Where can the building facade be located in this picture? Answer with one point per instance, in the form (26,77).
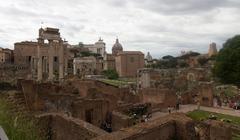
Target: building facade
(98,48)
(6,56)
(128,62)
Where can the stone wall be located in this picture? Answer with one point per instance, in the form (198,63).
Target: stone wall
(11,73)
(60,127)
(219,131)
(93,111)
(214,130)
(174,126)
(128,62)
(120,120)
(46,96)
(111,92)
(30,90)
(206,94)
(163,131)
(184,127)
(158,97)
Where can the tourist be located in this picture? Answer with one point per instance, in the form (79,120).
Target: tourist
(198,105)
(169,109)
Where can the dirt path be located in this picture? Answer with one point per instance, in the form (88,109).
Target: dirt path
(190,107)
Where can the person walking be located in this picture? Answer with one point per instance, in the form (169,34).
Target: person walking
(169,110)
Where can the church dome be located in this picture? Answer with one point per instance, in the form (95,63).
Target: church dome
(117,47)
(149,57)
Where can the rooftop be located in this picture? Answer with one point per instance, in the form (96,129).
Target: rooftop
(130,52)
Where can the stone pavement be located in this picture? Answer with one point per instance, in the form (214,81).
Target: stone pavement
(190,107)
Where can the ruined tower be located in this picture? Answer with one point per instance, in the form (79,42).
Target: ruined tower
(212,49)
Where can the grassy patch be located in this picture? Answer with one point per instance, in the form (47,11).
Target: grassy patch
(15,126)
(203,115)
(115,82)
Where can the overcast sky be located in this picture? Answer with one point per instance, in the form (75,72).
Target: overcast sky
(159,26)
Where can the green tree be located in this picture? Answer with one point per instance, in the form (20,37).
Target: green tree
(227,66)
(110,74)
(168,57)
(190,54)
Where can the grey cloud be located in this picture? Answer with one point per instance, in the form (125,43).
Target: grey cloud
(159,26)
(118,3)
(184,6)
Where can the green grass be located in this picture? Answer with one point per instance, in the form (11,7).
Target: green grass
(200,115)
(15,126)
(115,82)
(203,115)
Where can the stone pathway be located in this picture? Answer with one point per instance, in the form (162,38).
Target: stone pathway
(190,107)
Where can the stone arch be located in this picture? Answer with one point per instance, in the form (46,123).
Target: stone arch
(191,77)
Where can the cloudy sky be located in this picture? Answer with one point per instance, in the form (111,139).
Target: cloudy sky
(159,26)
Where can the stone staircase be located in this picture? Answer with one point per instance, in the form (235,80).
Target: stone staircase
(17,103)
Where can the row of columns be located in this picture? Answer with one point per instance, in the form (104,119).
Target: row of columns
(41,65)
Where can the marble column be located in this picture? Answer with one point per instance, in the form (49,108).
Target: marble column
(74,67)
(39,69)
(50,67)
(50,61)
(61,60)
(66,66)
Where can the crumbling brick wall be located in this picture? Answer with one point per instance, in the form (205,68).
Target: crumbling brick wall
(213,130)
(184,127)
(11,73)
(60,127)
(219,130)
(120,120)
(159,98)
(96,108)
(175,126)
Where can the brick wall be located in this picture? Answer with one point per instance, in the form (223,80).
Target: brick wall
(60,127)
(158,97)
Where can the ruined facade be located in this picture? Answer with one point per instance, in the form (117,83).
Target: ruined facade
(6,56)
(47,57)
(84,66)
(87,66)
(50,54)
(158,78)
